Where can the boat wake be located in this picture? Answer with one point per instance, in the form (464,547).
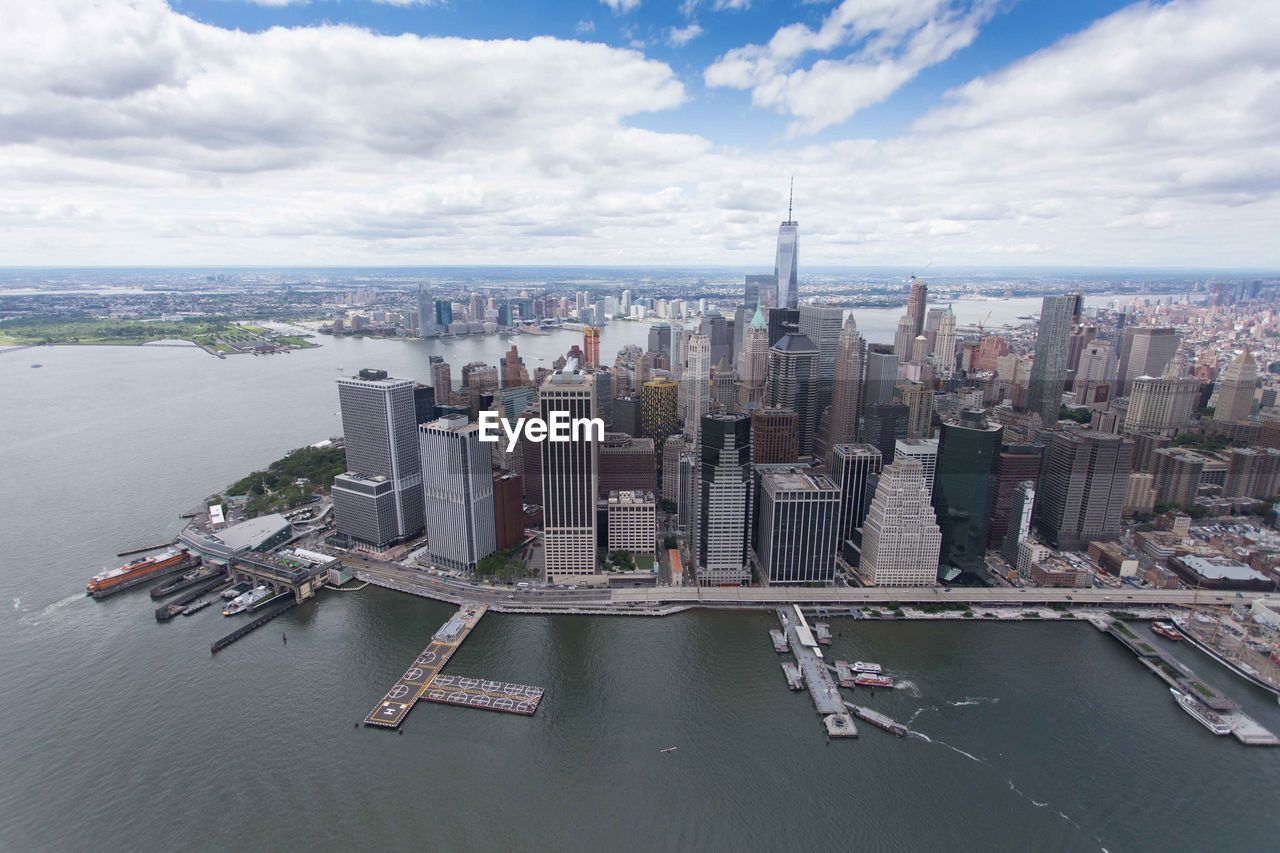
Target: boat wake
(920,711)
(905,684)
(38,618)
(1012,787)
(17,604)
(974,700)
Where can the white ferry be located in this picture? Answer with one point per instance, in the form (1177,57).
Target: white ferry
(1206,718)
(864,666)
(246,600)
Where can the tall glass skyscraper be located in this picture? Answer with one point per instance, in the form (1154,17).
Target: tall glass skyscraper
(786,263)
(1049,371)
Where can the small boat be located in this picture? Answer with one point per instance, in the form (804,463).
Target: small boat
(37,365)
(1164,629)
(669,749)
(868,680)
(864,666)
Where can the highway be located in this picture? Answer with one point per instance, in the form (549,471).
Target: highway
(540,598)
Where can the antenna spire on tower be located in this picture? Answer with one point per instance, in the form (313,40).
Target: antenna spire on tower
(791,195)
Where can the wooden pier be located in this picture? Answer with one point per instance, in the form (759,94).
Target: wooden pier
(779,641)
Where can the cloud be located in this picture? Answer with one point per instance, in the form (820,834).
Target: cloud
(132,134)
(621,7)
(584,27)
(680,36)
(883,45)
(731,5)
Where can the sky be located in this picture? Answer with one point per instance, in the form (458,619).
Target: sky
(436,132)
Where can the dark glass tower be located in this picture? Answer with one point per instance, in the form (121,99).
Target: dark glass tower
(962,489)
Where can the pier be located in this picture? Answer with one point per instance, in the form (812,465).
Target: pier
(877,719)
(247,628)
(779,641)
(422,680)
(822,690)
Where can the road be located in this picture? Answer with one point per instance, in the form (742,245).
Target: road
(506,598)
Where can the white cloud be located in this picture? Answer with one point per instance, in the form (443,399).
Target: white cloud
(584,27)
(620,7)
(680,36)
(883,45)
(133,134)
(731,5)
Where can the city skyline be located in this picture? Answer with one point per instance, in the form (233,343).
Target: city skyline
(680,129)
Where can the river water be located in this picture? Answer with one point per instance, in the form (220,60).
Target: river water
(121,733)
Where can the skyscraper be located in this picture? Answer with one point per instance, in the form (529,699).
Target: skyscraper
(379,426)
(967,453)
(457,487)
(1049,370)
(660,338)
(944,347)
(1236,389)
(753,364)
(442,380)
(1161,404)
(1022,500)
(798,516)
(695,385)
(923,450)
(853,468)
(1145,351)
(658,410)
(903,339)
(881,375)
(792,384)
(591,346)
(1082,488)
(1016,463)
(900,537)
(426,313)
(916,305)
(785,267)
(822,326)
(884,426)
(724,517)
(840,422)
(919,399)
(570,471)
(774,436)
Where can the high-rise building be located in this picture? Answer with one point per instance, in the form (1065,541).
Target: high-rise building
(881,376)
(672,452)
(570,472)
(903,339)
(753,364)
(1145,351)
(457,487)
(379,426)
(1236,389)
(626,416)
(1097,363)
(925,451)
(792,384)
(508,510)
(885,425)
(444,314)
(658,410)
(1161,404)
(514,373)
(944,346)
(695,385)
(1022,500)
(822,326)
(853,468)
(900,537)
(786,264)
(632,520)
(591,346)
(967,452)
(719,333)
(1177,476)
(442,380)
(774,436)
(1016,463)
(724,516)
(798,517)
(840,422)
(626,464)
(917,303)
(918,398)
(1082,488)
(426,313)
(660,338)
(1049,370)
(760,291)
(781,322)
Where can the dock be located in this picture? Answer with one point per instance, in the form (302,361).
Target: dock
(822,631)
(779,641)
(811,668)
(845,673)
(1179,676)
(877,719)
(839,725)
(247,628)
(144,549)
(484,694)
(795,680)
(167,611)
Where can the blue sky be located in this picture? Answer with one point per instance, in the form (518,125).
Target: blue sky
(962,132)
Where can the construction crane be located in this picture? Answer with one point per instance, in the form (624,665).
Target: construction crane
(982,324)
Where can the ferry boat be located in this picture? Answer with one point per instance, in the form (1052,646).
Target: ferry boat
(243,586)
(135,572)
(246,600)
(1164,629)
(868,680)
(1200,713)
(864,666)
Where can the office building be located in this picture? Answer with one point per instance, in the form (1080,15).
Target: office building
(626,464)
(786,263)
(659,401)
(881,376)
(660,339)
(944,346)
(426,313)
(885,425)
(1082,488)
(798,517)
(781,322)
(904,339)
(695,384)
(1177,476)
(570,473)
(1097,363)
(774,436)
(672,452)
(924,450)
(1140,495)
(724,516)
(632,521)
(442,380)
(753,364)
(591,348)
(457,487)
(840,422)
(379,425)
(968,449)
(822,326)
(508,510)
(1022,501)
(900,537)
(1049,370)
(854,469)
(792,384)
(1236,389)
(917,303)
(1161,404)
(1015,463)
(919,400)
(1144,351)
